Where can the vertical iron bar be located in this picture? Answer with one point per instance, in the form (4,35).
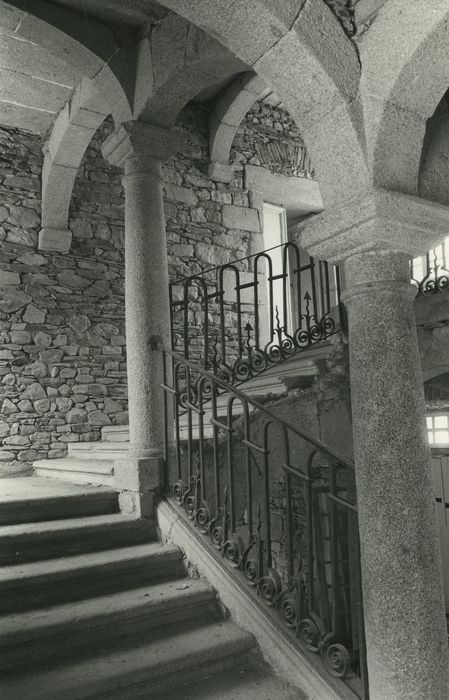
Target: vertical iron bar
(313,283)
(288,515)
(186,319)
(230,444)
(206,326)
(172,330)
(166,457)
(327,286)
(239,314)
(201,441)
(266,469)
(222,316)
(189,429)
(321,311)
(216,449)
(285,283)
(177,425)
(256,305)
(310,548)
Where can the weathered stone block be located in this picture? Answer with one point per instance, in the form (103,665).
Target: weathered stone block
(33,392)
(98,418)
(24,217)
(42,339)
(8,407)
(13,300)
(34,315)
(241,218)
(7,278)
(79,323)
(42,405)
(180,194)
(76,415)
(53,240)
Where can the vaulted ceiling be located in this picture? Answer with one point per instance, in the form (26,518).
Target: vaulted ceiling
(35,85)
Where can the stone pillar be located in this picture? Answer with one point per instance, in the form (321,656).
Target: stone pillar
(406,638)
(141,149)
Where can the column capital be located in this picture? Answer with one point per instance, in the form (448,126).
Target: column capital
(133,139)
(377,220)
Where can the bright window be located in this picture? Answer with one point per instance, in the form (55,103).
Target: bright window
(275,234)
(439,257)
(438,430)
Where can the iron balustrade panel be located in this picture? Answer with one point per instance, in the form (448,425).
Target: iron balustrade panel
(430,273)
(278,506)
(242,318)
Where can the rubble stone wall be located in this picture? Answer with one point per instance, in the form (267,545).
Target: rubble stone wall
(62,318)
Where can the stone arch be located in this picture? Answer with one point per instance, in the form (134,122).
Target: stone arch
(225,119)
(90,48)
(92,101)
(405,74)
(84,43)
(183,61)
(320,88)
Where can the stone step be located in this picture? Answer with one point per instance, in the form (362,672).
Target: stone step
(45,540)
(245,681)
(78,629)
(34,500)
(115,433)
(174,655)
(101,450)
(51,581)
(89,470)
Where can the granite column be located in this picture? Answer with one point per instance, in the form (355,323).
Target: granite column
(406,638)
(141,149)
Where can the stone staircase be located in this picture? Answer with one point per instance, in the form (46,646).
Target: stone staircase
(93,606)
(93,462)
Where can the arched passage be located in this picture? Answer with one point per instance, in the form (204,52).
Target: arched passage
(321,86)
(405,74)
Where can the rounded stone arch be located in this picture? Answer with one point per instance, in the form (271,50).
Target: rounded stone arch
(84,43)
(64,150)
(405,75)
(226,116)
(320,87)
(90,48)
(183,61)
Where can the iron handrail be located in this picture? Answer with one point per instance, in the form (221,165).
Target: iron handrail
(260,407)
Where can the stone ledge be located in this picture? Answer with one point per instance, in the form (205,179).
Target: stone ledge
(378,220)
(54,240)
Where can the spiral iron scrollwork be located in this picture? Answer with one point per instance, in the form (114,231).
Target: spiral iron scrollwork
(337,659)
(289,609)
(233,550)
(178,492)
(203,518)
(270,587)
(310,634)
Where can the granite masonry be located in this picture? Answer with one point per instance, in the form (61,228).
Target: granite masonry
(62,338)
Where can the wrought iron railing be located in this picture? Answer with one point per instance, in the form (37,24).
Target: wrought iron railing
(277,505)
(242,318)
(430,273)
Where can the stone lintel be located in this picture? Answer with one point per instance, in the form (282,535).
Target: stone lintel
(54,240)
(221,172)
(379,220)
(140,139)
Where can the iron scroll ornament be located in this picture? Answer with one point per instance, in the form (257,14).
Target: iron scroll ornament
(289,604)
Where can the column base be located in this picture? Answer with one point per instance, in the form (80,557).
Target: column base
(138,479)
